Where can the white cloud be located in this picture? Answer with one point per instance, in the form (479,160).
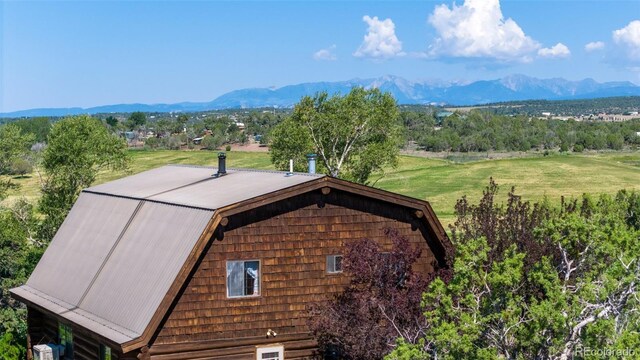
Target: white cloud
(381,41)
(559,50)
(594,46)
(327,54)
(628,38)
(477,29)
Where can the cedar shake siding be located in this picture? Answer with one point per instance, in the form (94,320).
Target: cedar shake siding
(292,240)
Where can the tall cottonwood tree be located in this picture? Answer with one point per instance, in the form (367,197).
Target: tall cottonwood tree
(353,135)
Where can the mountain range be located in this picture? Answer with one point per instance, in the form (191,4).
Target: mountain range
(510,88)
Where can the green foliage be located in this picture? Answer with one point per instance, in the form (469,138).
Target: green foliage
(111,121)
(19,253)
(290,141)
(533,282)
(9,349)
(182,119)
(79,147)
(482,131)
(14,144)
(212,142)
(39,127)
(136,120)
(21,167)
(353,135)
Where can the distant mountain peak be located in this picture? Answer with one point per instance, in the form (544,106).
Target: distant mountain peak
(509,88)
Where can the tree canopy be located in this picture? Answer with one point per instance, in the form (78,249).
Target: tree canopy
(13,145)
(136,119)
(353,135)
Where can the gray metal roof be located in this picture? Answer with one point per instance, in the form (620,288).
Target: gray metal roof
(195,186)
(124,242)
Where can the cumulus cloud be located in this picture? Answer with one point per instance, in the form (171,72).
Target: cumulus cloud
(327,54)
(477,29)
(381,41)
(628,38)
(559,50)
(594,46)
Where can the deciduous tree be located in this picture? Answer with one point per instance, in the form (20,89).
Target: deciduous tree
(136,120)
(353,135)
(380,304)
(14,144)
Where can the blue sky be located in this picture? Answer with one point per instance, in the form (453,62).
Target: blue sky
(64,54)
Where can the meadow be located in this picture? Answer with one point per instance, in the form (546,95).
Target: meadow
(441,182)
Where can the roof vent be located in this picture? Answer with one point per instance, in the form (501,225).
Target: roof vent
(222,164)
(312,163)
(290,172)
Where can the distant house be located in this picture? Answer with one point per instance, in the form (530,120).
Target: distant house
(186,262)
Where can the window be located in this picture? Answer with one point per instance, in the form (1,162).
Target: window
(334,264)
(105,352)
(243,278)
(270,353)
(65,335)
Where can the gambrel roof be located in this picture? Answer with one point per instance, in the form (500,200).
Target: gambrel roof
(127,246)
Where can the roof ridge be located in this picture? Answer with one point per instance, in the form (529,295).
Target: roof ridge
(247,170)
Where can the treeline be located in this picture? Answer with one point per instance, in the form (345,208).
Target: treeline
(482,131)
(612,105)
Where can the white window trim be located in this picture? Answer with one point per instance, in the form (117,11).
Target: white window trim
(268,349)
(333,271)
(226,280)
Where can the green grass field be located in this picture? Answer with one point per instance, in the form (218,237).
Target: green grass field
(439,181)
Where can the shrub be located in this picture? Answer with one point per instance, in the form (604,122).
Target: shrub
(21,167)
(211,142)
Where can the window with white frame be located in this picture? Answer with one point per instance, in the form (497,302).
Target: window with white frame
(275,352)
(334,264)
(243,278)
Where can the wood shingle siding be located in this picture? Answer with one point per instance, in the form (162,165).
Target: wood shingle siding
(292,239)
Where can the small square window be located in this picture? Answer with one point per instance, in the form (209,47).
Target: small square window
(243,278)
(334,264)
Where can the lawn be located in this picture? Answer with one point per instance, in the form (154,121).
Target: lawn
(440,182)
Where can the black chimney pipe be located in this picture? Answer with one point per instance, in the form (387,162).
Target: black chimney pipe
(222,164)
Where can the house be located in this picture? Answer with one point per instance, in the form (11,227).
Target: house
(186,262)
